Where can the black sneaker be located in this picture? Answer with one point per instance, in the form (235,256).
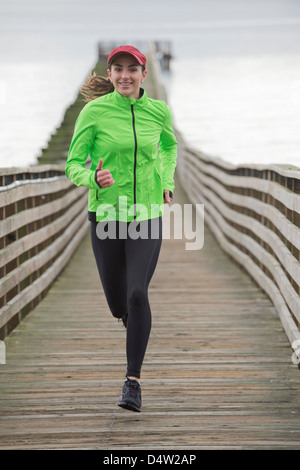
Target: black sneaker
(131,396)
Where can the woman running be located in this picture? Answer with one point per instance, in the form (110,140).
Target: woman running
(130,140)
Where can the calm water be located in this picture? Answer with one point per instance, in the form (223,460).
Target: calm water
(234,84)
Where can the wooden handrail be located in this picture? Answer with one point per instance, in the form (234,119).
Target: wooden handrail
(253,210)
(43,217)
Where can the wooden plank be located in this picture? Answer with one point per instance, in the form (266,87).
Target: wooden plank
(264,281)
(34,238)
(275,268)
(31,188)
(283,292)
(288,198)
(289,231)
(288,262)
(38,261)
(270,238)
(15,305)
(288,170)
(4,171)
(30,215)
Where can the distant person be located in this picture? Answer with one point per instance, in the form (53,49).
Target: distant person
(133,151)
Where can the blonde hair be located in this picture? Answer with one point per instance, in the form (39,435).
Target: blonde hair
(96,86)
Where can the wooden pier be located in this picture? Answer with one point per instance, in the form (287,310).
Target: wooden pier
(217,375)
(219,371)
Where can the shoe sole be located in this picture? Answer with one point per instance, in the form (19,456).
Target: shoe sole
(128,406)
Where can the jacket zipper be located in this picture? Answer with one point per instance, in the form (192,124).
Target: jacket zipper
(135,154)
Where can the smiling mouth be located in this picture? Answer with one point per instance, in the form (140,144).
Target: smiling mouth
(125,83)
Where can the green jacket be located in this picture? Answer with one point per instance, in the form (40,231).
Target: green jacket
(136,141)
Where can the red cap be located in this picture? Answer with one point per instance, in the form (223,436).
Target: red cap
(127,50)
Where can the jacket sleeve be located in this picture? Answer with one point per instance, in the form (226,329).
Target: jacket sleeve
(168,151)
(81,145)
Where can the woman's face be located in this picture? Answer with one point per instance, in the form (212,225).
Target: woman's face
(127,75)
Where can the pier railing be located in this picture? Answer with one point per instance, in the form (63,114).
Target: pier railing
(42,220)
(254,212)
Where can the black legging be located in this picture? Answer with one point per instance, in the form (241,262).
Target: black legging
(126,267)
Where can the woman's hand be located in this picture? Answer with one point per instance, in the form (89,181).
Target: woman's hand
(103,177)
(168,196)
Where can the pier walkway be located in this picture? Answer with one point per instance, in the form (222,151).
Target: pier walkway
(217,374)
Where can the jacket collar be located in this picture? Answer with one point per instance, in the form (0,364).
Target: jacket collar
(127,102)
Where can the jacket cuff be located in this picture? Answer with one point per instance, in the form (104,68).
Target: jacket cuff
(99,185)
